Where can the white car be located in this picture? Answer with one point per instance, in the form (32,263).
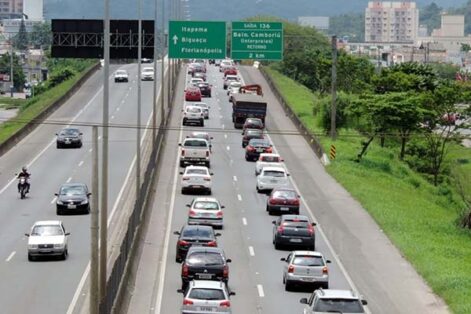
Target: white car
(205,296)
(47,238)
(193,114)
(121,76)
(270,178)
(268,160)
(205,211)
(147,74)
(233,87)
(225,64)
(196,178)
(204,106)
(196,80)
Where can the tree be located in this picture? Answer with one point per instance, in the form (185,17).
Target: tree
(41,35)
(430,16)
(21,39)
(351,25)
(18,75)
(465,47)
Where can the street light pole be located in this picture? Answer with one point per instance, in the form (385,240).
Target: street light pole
(333,112)
(139,104)
(12,86)
(154,99)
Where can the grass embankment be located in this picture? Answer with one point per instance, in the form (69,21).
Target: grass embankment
(11,103)
(419,218)
(30,109)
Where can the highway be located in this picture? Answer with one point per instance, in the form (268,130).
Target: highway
(363,259)
(48,286)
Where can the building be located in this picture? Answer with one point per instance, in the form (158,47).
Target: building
(391,22)
(11,27)
(33,9)
(319,22)
(11,8)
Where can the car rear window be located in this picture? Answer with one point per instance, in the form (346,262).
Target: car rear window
(47,230)
(205,259)
(296,224)
(307,260)
(197,171)
(72,190)
(206,205)
(206,294)
(193,109)
(284,194)
(271,159)
(338,306)
(273,173)
(196,232)
(254,132)
(200,135)
(195,143)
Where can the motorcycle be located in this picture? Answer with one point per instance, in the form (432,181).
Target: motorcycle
(23,186)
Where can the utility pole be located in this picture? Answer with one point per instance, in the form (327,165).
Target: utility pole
(94,229)
(333,111)
(104,167)
(162,68)
(139,104)
(154,98)
(12,86)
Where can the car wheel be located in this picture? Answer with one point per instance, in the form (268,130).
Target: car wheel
(287,286)
(207,164)
(58,145)
(87,211)
(247,157)
(58,212)
(183,191)
(64,255)
(182,164)
(284,280)
(325,286)
(202,122)
(277,246)
(184,122)
(178,259)
(209,192)
(30,257)
(80,145)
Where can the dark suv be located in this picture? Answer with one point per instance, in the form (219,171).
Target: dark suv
(249,134)
(253,123)
(294,230)
(194,235)
(205,263)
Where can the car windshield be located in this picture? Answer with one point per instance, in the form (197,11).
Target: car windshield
(72,190)
(202,105)
(271,158)
(338,305)
(203,84)
(120,72)
(259,143)
(284,194)
(235,85)
(200,135)
(69,132)
(196,171)
(193,109)
(47,230)
(253,132)
(296,224)
(148,70)
(231,78)
(195,143)
(196,232)
(206,294)
(307,260)
(273,173)
(206,205)
(205,259)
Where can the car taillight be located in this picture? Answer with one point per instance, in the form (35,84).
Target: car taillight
(207,179)
(325,270)
(207,153)
(185,270)
(187,302)
(269,150)
(295,202)
(182,243)
(245,137)
(183,152)
(185,178)
(212,243)
(250,148)
(225,304)
(225,272)
(219,214)
(280,229)
(311,230)
(291,269)
(192,213)
(272,201)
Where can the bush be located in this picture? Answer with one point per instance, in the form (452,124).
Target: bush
(60,76)
(323,108)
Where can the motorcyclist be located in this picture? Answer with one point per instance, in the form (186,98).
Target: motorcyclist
(24,173)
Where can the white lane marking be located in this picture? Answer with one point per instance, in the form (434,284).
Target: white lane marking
(73,303)
(222,126)
(244,221)
(117,109)
(54,200)
(54,139)
(10,256)
(80,163)
(90,150)
(239,197)
(220,117)
(261,294)
(112,117)
(69,179)
(225,135)
(235,178)
(99,137)
(228,148)
(251,251)
(163,266)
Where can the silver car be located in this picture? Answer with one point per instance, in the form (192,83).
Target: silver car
(47,238)
(205,296)
(305,268)
(204,106)
(205,211)
(333,301)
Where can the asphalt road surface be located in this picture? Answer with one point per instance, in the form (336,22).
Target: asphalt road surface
(363,259)
(48,286)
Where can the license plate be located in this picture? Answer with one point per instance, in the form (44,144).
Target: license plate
(196,186)
(259,150)
(308,279)
(284,208)
(295,240)
(206,309)
(71,206)
(273,181)
(205,276)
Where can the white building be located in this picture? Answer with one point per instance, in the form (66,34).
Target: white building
(33,9)
(319,22)
(391,22)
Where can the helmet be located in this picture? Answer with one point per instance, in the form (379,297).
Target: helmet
(24,169)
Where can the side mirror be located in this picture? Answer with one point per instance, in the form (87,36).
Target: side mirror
(364,302)
(273,222)
(228,260)
(217,234)
(27,234)
(181,172)
(288,174)
(210,146)
(67,233)
(211,173)
(56,194)
(222,206)
(328,261)
(57,134)
(232,293)
(283,259)
(180,144)
(81,133)
(89,194)
(176,232)
(303,301)
(188,205)
(180,291)
(211,138)
(314,224)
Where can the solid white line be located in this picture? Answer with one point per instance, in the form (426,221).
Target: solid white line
(80,163)
(261,294)
(239,197)
(69,179)
(10,256)
(251,251)
(244,221)
(235,178)
(54,200)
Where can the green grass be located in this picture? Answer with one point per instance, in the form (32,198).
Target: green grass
(10,103)
(30,109)
(420,219)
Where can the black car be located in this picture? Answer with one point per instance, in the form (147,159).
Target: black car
(69,137)
(194,235)
(205,89)
(283,200)
(249,134)
(257,146)
(205,263)
(253,123)
(73,198)
(294,230)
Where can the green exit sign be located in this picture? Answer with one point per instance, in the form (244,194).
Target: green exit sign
(257,40)
(197,40)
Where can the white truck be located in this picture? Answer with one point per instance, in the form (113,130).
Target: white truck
(195,151)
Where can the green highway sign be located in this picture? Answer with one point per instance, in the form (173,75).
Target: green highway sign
(197,40)
(257,40)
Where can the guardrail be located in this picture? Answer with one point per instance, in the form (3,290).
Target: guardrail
(303,130)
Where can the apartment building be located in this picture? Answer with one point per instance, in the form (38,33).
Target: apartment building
(388,21)
(11,8)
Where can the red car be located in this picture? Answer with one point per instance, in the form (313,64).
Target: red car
(283,201)
(230,71)
(192,93)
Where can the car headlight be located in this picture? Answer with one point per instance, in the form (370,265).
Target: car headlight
(84,202)
(32,246)
(58,246)
(59,202)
